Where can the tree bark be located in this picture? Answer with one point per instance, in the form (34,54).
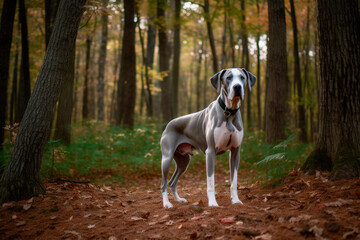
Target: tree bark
(102,62)
(150,49)
(65,106)
(277,84)
(6,30)
(198,79)
(338,144)
(164,62)
(245,60)
(24,82)
(13,98)
(51,7)
(211,36)
(176,57)
(21,177)
(127,78)
(258,72)
(297,77)
(85,107)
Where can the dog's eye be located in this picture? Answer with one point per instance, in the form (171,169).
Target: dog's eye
(228,78)
(242,77)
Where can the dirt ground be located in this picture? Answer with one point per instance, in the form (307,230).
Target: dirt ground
(302,207)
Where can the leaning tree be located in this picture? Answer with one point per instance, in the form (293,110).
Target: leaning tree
(21,177)
(338,144)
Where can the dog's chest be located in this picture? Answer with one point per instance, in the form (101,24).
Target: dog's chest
(226,139)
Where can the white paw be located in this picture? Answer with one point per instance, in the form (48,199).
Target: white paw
(237,201)
(213,204)
(181,200)
(167,205)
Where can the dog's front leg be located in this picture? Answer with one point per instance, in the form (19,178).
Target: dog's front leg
(234,160)
(210,166)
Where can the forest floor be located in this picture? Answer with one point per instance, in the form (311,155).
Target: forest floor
(301,207)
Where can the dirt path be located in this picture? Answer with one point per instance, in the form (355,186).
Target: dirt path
(301,207)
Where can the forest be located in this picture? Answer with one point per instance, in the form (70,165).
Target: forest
(88,87)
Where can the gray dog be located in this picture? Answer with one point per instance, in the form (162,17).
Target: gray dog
(213,131)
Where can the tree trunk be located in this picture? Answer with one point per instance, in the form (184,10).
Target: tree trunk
(85,108)
(13,98)
(24,82)
(277,84)
(6,30)
(21,177)
(176,57)
(297,77)
(245,62)
(102,62)
(51,7)
(127,78)
(198,79)
(258,72)
(223,43)
(211,36)
(164,62)
(76,83)
(150,49)
(338,144)
(65,106)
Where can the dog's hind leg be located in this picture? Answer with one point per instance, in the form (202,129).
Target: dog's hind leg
(182,162)
(165,167)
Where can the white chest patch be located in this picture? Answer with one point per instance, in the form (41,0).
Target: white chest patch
(225,139)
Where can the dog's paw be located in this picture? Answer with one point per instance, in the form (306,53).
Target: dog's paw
(237,201)
(213,204)
(167,205)
(181,200)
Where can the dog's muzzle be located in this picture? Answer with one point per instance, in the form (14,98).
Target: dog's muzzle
(238,91)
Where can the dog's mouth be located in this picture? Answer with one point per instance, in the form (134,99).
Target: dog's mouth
(235,100)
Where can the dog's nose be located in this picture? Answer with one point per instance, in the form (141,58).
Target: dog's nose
(237,89)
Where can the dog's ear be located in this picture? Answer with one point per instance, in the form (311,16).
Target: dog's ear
(250,78)
(215,80)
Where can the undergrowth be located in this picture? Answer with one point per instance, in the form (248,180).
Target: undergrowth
(108,154)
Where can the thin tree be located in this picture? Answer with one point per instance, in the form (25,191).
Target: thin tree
(297,76)
(338,145)
(258,71)
(6,30)
(164,61)
(176,57)
(85,106)
(21,177)
(277,83)
(208,21)
(51,7)
(127,79)
(150,49)
(245,58)
(102,61)
(24,82)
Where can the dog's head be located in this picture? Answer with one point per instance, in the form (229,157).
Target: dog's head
(231,83)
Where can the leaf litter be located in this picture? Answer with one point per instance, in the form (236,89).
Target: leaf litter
(302,206)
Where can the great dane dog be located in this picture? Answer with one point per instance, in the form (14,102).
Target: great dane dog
(213,131)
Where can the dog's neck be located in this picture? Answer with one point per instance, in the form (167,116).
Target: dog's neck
(227,111)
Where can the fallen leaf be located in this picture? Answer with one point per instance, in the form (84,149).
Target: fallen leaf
(30,200)
(14,217)
(112,238)
(169,223)
(227,220)
(196,218)
(164,217)
(53,217)
(91,226)
(350,233)
(180,226)
(265,236)
(340,202)
(27,206)
(299,218)
(74,233)
(8,204)
(134,218)
(21,223)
